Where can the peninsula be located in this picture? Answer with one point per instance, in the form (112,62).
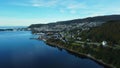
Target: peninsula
(97,38)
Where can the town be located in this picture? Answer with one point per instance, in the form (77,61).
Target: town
(83,39)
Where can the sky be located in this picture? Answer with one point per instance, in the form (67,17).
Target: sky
(26,12)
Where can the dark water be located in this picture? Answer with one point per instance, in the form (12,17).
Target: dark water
(17,50)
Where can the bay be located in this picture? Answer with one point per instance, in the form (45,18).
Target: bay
(18,50)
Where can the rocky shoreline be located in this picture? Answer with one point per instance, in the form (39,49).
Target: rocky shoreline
(86,55)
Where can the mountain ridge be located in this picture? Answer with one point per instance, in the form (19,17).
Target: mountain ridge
(79,23)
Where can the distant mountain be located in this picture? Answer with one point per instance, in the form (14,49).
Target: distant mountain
(76,23)
(92,19)
(11,27)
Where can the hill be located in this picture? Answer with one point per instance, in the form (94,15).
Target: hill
(86,22)
(109,31)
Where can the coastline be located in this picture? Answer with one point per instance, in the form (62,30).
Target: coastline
(86,55)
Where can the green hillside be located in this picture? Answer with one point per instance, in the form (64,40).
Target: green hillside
(109,31)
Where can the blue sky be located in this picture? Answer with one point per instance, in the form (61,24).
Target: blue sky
(26,12)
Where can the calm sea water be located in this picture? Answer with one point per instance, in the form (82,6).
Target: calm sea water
(18,50)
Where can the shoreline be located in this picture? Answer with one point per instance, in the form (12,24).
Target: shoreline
(82,54)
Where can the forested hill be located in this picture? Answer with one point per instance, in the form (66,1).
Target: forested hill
(109,31)
(98,19)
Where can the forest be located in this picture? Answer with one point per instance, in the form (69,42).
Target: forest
(109,32)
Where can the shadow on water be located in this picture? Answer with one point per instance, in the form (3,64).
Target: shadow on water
(85,57)
(79,55)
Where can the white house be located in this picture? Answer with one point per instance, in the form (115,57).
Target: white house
(104,43)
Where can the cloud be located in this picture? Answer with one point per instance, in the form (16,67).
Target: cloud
(75,6)
(70,6)
(43,3)
(36,3)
